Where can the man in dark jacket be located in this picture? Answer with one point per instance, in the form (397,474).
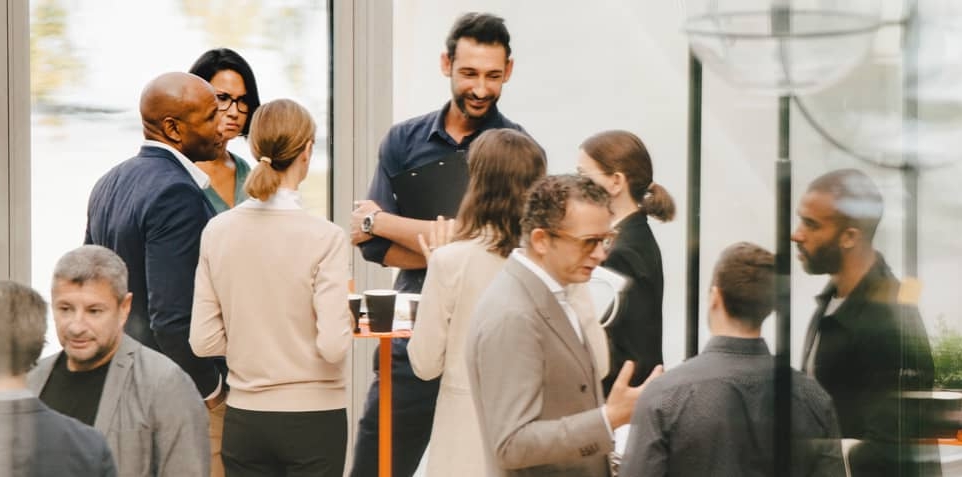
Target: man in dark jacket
(35,440)
(866,344)
(150,210)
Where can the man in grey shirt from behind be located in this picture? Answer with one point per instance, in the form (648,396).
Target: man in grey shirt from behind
(713,414)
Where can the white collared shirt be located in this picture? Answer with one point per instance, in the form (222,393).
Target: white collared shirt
(554,287)
(199,176)
(283,199)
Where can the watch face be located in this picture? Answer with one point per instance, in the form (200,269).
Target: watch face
(366,224)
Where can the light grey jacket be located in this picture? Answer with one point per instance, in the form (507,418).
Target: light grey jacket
(154,420)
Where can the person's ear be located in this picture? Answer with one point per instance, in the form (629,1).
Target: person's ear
(539,241)
(309,150)
(714,298)
(446,64)
(618,183)
(171,128)
(849,237)
(508,68)
(125,308)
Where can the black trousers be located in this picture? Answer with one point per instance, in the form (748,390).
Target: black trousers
(412,407)
(262,443)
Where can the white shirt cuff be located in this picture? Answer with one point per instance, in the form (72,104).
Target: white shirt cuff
(604,417)
(220,383)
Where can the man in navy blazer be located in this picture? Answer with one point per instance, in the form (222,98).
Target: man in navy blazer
(151,209)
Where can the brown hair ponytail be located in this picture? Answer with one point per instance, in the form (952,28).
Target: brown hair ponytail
(280,130)
(622,151)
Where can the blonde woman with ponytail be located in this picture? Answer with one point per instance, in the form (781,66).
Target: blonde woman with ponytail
(619,162)
(271,296)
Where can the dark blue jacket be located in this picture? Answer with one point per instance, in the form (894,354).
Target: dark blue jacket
(150,211)
(36,441)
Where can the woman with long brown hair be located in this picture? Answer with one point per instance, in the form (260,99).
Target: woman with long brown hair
(619,162)
(502,164)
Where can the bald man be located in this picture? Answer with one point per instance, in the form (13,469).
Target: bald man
(150,210)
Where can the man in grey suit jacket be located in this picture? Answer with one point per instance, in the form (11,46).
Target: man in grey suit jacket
(530,356)
(34,440)
(146,406)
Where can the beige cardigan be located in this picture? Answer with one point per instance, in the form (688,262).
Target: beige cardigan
(271,295)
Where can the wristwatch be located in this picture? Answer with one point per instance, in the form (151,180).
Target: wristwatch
(368,223)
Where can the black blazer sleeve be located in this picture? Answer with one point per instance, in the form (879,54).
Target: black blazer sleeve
(173,226)
(635,332)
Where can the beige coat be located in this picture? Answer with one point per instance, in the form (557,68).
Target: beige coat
(457,275)
(536,386)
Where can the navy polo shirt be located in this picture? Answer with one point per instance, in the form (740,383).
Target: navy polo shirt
(408,145)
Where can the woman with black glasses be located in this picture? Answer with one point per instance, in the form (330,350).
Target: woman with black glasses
(237,99)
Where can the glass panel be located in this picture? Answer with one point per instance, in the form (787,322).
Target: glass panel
(623,65)
(89,62)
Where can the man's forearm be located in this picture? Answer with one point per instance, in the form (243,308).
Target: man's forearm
(404,258)
(402,231)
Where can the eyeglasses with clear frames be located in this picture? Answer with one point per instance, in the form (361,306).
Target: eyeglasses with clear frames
(590,242)
(224,101)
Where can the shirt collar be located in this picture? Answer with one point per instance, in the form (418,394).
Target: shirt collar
(552,284)
(730,344)
(283,199)
(199,176)
(492,120)
(874,273)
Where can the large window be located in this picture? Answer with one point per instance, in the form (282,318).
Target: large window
(90,60)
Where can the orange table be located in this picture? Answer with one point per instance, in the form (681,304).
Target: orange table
(384,394)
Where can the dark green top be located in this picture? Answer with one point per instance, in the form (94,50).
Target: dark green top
(240,175)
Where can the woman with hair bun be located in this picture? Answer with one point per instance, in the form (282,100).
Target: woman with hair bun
(619,162)
(271,295)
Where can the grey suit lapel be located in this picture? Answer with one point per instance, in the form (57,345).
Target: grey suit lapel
(120,367)
(552,313)
(38,376)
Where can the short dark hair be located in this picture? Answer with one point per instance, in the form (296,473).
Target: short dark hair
(23,325)
(483,28)
(548,199)
(858,201)
(220,59)
(745,277)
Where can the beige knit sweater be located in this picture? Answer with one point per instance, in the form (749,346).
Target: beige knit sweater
(271,295)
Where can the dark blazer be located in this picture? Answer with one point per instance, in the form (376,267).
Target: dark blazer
(859,355)
(150,211)
(635,332)
(36,441)
(534,383)
(870,349)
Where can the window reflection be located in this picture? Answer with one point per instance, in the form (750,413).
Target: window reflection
(89,62)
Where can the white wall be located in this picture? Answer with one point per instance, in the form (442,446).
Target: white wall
(580,69)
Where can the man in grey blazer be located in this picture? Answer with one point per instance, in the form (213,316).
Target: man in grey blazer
(531,355)
(147,407)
